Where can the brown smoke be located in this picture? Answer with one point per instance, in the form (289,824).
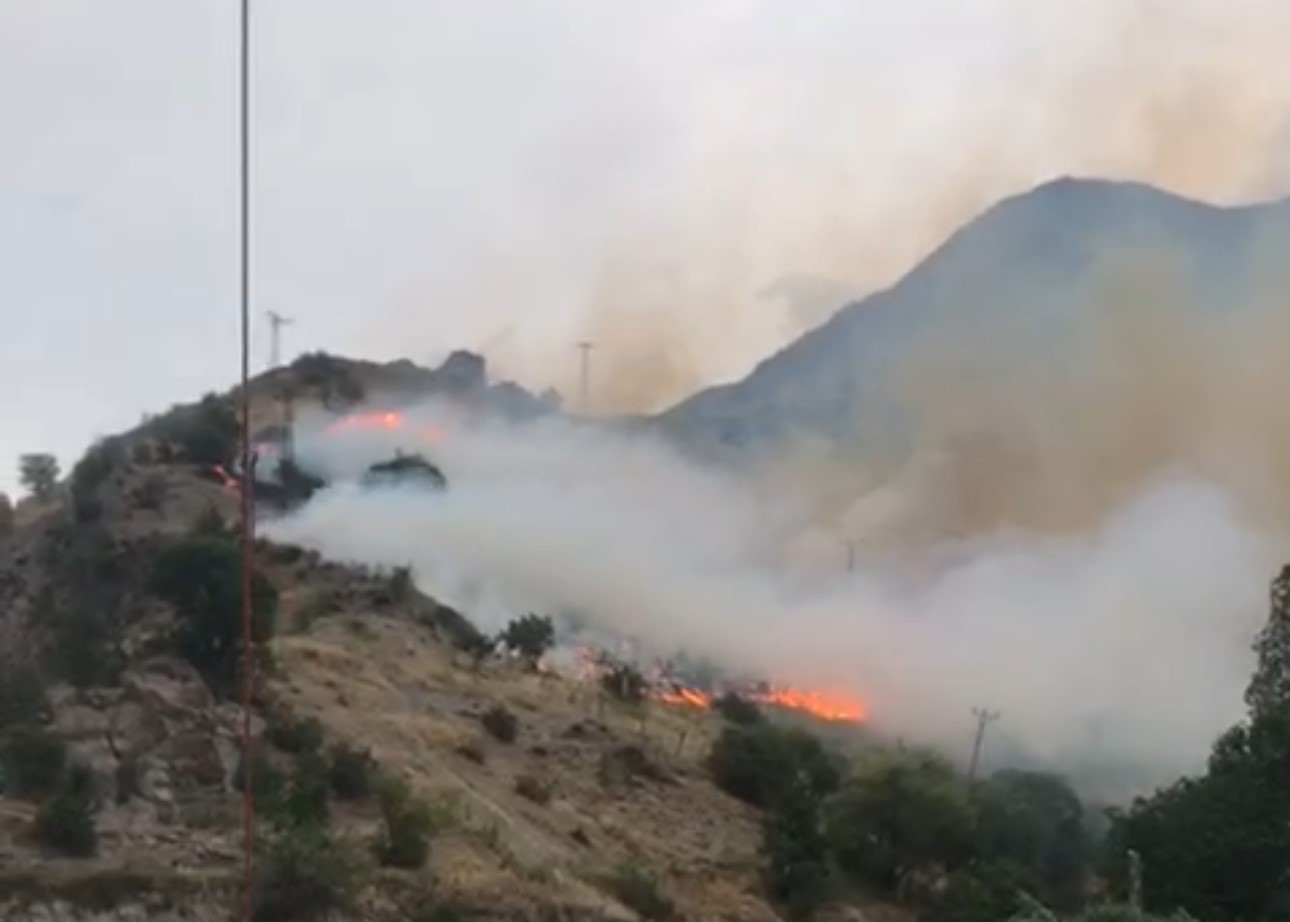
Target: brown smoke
(1191,100)
(1056,438)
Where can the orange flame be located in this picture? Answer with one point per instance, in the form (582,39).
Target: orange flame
(833,707)
(388,419)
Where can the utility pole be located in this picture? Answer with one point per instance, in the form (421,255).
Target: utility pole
(585,348)
(851,554)
(276,323)
(983,719)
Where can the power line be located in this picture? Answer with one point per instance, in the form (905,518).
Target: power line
(248,477)
(585,347)
(983,719)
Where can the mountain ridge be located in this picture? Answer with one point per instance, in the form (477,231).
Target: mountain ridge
(1051,236)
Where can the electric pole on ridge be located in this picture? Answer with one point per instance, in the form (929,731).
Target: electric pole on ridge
(983,719)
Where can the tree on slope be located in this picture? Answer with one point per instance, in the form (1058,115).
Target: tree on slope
(1219,845)
(39,474)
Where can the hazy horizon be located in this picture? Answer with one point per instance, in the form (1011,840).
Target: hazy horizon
(510,177)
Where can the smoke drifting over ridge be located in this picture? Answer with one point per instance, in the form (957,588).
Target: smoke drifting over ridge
(720,148)
(1084,545)
(1116,649)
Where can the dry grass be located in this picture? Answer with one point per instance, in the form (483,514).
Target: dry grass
(397,692)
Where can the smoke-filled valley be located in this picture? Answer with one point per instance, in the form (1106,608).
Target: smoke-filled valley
(1054,450)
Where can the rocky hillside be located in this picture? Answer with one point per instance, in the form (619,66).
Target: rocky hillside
(1022,280)
(537,796)
(407,768)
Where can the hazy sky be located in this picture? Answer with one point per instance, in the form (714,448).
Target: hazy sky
(513,175)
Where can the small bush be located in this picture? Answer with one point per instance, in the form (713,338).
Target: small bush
(640,892)
(739,711)
(625,682)
(151,493)
(401,585)
(22,692)
(33,761)
(202,434)
(296,735)
(407,825)
(534,789)
(127,780)
(753,763)
(352,772)
(304,800)
(65,823)
(982,894)
(795,851)
(268,783)
(308,874)
(530,636)
(501,724)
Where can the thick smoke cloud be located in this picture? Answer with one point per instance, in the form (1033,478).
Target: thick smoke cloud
(1116,654)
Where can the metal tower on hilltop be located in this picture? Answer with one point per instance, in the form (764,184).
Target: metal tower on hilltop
(276,323)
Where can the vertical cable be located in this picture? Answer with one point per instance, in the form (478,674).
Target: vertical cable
(248,480)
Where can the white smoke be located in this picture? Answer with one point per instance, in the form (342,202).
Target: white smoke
(1120,650)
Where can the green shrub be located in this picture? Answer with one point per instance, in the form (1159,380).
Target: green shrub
(304,800)
(640,892)
(986,893)
(206,433)
(33,760)
(900,811)
(200,576)
(501,724)
(295,735)
(530,636)
(754,763)
(407,824)
(352,772)
(795,851)
(268,783)
(65,823)
(90,473)
(306,875)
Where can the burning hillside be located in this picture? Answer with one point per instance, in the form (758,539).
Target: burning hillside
(828,706)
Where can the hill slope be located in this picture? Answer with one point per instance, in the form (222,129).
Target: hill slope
(1024,278)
